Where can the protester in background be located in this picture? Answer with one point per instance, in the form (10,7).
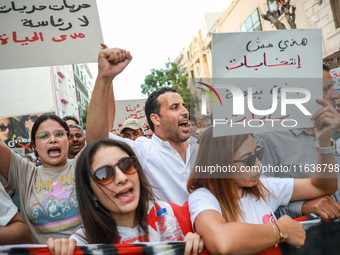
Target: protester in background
(76,140)
(167,156)
(116,200)
(193,135)
(220,206)
(295,148)
(47,193)
(13,229)
(193,126)
(132,129)
(71,120)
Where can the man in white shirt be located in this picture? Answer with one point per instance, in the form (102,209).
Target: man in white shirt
(168,157)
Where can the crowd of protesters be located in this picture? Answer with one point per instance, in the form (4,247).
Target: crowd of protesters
(109,190)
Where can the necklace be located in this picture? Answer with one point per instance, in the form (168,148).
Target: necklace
(54,179)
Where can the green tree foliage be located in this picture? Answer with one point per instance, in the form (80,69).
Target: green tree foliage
(171,76)
(84,117)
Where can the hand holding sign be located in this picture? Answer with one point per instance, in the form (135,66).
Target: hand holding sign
(327,121)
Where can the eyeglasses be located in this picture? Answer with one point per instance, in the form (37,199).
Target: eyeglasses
(250,161)
(46,136)
(106,174)
(4,127)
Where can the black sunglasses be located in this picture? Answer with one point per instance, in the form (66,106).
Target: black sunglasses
(250,161)
(3,127)
(106,174)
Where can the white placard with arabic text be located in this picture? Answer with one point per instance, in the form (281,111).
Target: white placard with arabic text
(130,109)
(45,33)
(269,80)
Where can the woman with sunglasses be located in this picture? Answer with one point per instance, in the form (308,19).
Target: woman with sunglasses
(9,128)
(47,193)
(219,207)
(116,201)
(5,126)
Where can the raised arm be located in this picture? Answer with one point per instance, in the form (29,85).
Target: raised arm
(111,62)
(324,178)
(111,108)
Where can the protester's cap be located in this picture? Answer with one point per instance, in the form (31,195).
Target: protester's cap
(133,124)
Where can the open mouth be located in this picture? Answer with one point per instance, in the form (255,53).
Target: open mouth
(184,125)
(54,152)
(125,195)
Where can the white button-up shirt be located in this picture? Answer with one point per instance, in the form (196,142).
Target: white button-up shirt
(163,166)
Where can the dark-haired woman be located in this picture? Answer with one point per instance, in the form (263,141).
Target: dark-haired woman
(47,193)
(10,129)
(5,126)
(220,208)
(116,201)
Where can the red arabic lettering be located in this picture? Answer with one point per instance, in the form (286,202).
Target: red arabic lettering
(75,35)
(63,38)
(4,40)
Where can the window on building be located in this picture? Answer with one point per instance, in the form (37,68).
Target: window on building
(336,12)
(273,6)
(78,96)
(253,23)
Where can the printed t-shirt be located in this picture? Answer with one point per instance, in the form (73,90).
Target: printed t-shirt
(48,198)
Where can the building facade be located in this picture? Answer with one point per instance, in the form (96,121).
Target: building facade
(254,15)
(195,61)
(83,85)
(244,16)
